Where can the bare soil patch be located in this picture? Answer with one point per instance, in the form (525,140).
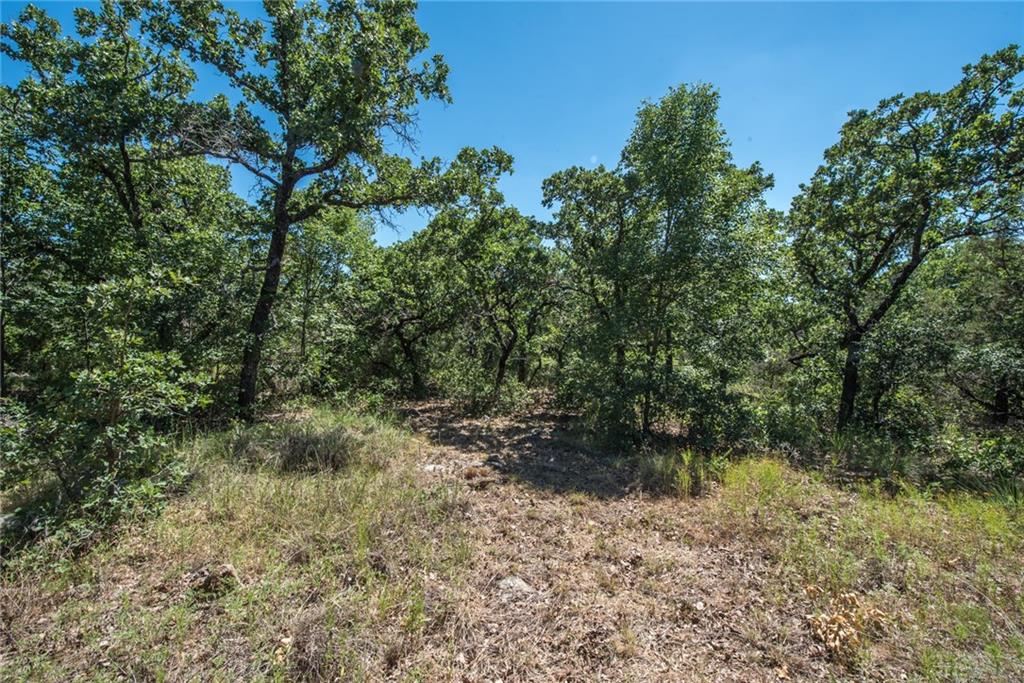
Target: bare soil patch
(579,574)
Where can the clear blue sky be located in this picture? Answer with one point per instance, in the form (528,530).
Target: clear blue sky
(557,84)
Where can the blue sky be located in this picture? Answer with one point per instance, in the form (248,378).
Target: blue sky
(558,84)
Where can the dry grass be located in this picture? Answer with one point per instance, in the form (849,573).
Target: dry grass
(770,575)
(941,573)
(332,574)
(341,547)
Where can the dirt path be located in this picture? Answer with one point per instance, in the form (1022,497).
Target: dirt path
(577,574)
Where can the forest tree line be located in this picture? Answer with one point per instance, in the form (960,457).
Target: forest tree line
(881,318)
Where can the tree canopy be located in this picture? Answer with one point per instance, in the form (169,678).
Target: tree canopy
(663,299)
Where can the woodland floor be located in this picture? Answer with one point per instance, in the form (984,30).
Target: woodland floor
(579,574)
(503,549)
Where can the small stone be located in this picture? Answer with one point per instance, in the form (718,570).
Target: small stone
(513,584)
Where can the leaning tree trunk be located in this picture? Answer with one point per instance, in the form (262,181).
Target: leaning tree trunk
(259,324)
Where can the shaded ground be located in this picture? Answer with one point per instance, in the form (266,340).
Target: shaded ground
(577,574)
(538,449)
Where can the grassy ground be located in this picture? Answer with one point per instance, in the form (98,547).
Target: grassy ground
(305,549)
(329,545)
(929,586)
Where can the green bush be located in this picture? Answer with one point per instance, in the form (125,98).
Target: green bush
(470,383)
(991,462)
(95,442)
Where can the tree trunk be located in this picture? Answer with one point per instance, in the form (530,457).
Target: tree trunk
(622,422)
(645,413)
(1001,405)
(851,383)
(419,388)
(307,309)
(499,377)
(259,324)
(536,368)
(876,407)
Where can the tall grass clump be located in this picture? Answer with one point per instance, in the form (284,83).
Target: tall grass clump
(684,472)
(318,440)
